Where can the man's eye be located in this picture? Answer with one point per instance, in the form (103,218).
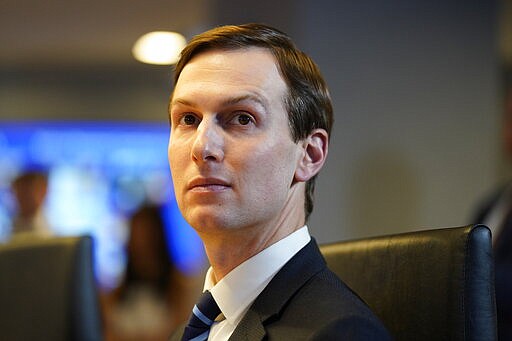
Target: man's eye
(189,120)
(243,119)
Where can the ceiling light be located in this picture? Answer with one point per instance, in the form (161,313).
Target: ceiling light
(160,47)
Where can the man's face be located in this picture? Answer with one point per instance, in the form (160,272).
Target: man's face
(232,158)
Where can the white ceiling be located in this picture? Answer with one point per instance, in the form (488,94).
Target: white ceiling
(93,31)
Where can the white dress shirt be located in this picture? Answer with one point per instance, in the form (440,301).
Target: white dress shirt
(238,289)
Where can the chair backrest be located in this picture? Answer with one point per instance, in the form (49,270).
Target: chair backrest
(47,290)
(426,285)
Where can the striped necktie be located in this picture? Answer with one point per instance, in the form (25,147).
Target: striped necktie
(203,315)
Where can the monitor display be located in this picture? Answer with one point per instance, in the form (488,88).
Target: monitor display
(99,173)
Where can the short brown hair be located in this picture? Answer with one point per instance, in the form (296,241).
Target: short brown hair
(308,102)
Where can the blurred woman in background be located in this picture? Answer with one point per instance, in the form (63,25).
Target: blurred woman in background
(152,299)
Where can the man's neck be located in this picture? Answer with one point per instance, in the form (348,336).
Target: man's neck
(233,248)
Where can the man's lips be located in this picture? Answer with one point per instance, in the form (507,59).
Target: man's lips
(208,184)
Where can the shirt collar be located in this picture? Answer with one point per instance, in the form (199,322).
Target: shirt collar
(239,288)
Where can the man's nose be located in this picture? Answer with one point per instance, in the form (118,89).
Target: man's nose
(209,142)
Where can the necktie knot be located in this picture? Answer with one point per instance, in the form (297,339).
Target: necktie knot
(203,315)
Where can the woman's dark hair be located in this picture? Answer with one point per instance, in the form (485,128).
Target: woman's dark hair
(149,217)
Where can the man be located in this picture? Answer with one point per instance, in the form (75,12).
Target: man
(250,120)
(29,191)
(496,212)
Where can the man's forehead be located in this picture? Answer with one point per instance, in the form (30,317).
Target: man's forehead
(243,60)
(251,71)
(232,51)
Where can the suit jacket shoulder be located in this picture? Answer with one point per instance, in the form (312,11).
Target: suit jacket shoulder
(307,301)
(486,205)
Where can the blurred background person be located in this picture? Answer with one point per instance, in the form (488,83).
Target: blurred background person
(29,190)
(151,300)
(495,211)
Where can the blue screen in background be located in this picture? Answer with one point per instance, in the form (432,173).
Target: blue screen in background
(99,174)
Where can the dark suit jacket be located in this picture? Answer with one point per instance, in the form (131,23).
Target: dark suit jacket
(502,249)
(306,301)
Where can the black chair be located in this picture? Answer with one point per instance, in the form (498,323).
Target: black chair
(48,291)
(426,285)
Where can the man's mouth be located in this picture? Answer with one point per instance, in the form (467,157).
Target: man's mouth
(208,184)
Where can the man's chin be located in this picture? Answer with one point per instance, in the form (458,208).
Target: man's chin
(210,220)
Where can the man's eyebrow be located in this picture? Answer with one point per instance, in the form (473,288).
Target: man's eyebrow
(181,101)
(229,101)
(247,97)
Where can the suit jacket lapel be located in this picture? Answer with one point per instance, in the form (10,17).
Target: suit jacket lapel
(250,328)
(267,306)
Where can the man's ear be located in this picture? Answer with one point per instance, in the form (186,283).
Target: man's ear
(315,148)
